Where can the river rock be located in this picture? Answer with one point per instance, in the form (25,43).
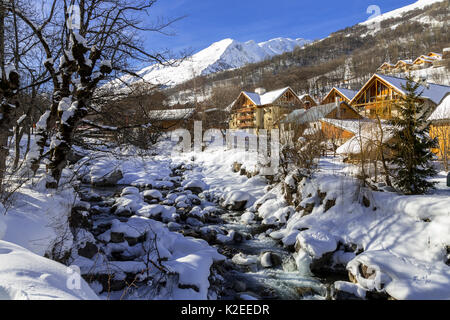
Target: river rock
(89,250)
(239,286)
(80,219)
(243,260)
(108,180)
(173,226)
(270,260)
(247,296)
(151,195)
(194,222)
(117,237)
(129,191)
(196,186)
(236,200)
(238,238)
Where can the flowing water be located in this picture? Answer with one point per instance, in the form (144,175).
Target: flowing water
(283,281)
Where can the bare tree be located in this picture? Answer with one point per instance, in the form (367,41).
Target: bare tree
(78,58)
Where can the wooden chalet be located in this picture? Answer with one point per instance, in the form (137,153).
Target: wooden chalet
(403,66)
(423,62)
(307,101)
(386,67)
(172,119)
(330,120)
(341,124)
(339,94)
(262,110)
(440,129)
(434,55)
(379,95)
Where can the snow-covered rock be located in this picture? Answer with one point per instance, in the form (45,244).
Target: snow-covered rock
(236,200)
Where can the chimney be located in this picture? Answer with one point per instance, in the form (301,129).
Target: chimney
(260,91)
(338,106)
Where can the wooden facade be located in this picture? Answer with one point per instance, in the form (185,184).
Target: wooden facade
(307,101)
(246,113)
(344,112)
(441,131)
(336,133)
(403,66)
(422,62)
(335,130)
(386,67)
(376,99)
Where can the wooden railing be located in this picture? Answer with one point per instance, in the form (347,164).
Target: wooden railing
(246,117)
(244,110)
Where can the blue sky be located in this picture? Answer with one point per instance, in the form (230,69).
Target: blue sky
(209,21)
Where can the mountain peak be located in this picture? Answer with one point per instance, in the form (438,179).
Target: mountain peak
(222,55)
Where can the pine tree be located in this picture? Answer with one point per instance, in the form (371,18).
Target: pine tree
(412,144)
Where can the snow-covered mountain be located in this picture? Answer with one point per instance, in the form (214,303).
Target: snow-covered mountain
(419,4)
(222,55)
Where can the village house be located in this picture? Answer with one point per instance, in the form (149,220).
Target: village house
(377,98)
(329,120)
(432,59)
(440,129)
(386,68)
(263,110)
(307,101)
(403,66)
(422,62)
(172,119)
(340,94)
(341,124)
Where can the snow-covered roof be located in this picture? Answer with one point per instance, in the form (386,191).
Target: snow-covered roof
(408,61)
(350,125)
(301,97)
(171,114)
(266,98)
(311,115)
(433,92)
(442,111)
(438,54)
(388,64)
(368,133)
(426,59)
(349,94)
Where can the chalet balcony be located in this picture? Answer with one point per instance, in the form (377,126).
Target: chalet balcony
(246,117)
(245,110)
(246,124)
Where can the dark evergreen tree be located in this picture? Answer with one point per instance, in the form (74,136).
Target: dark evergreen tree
(411,147)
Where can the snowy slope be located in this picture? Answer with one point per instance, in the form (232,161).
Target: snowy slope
(420,4)
(27,276)
(222,55)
